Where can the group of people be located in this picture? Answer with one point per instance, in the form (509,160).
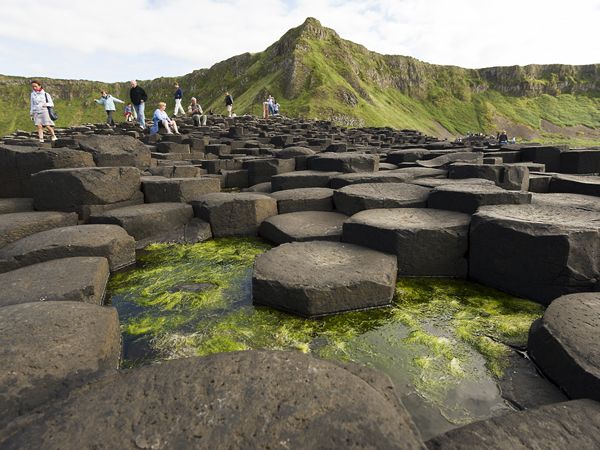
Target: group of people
(41,104)
(270,107)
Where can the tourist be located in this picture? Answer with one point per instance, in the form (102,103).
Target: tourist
(40,100)
(229,103)
(270,103)
(138,98)
(178,97)
(276,108)
(503,138)
(128,113)
(160,119)
(198,115)
(109,105)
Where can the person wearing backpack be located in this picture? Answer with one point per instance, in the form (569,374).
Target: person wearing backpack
(40,100)
(229,103)
(109,105)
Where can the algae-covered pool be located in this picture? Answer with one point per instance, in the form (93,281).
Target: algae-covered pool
(445,343)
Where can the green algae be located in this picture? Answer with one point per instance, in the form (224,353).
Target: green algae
(441,337)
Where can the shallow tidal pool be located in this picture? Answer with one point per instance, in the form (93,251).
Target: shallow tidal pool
(446,344)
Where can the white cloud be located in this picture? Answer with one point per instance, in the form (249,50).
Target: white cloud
(104,39)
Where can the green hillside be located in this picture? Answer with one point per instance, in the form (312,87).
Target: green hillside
(315,74)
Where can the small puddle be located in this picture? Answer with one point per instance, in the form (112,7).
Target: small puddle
(444,343)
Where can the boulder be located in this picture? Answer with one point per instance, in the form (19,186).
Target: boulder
(319,278)
(358,197)
(302,179)
(78,279)
(151,222)
(506,176)
(303,199)
(16,226)
(235,214)
(48,348)
(344,162)
(579,201)
(426,242)
(109,241)
(222,401)
(14,205)
(303,226)
(182,190)
(70,189)
(574,424)
(574,184)
(368,177)
(535,251)
(564,344)
(467,198)
(116,151)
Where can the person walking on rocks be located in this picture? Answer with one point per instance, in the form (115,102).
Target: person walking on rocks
(178,98)
(198,115)
(109,105)
(160,119)
(40,100)
(138,98)
(229,103)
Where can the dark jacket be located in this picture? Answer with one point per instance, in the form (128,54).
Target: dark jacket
(137,94)
(178,93)
(228,100)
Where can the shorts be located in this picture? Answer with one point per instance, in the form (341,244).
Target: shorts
(229,108)
(42,118)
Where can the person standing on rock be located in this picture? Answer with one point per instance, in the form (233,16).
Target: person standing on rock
(109,105)
(138,98)
(229,103)
(40,100)
(198,115)
(160,119)
(178,98)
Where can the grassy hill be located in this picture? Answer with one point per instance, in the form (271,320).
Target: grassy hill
(315,74)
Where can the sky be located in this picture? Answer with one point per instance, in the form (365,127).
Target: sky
(117,40)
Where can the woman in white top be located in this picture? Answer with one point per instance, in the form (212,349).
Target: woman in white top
(40,100)
(161,119)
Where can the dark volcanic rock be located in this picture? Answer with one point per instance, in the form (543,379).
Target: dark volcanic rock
(574,424)
(507,176)
(235,214)
(220,402)
(344,162)
(116,151)
(535,251)
(358,197)
(302,179)
(79,279)
(303,226)
(109,241)
(575,184)
(319,278)
(427,242)
(183,190)
(305,199)
(450,158)
(367,177)
(19,225)
(467,198)
(564,344)
(47,348)
(579,201)
(14,205)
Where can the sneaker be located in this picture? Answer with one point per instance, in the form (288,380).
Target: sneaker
(53,138)
(41,141)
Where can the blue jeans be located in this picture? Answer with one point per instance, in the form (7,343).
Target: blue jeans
(139,110)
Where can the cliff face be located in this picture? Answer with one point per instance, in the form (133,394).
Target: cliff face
(315,73)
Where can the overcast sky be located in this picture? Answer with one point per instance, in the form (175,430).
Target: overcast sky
(116,40)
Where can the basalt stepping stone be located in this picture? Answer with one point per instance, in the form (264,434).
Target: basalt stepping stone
(261,170)
(302,179)
(16,226)
(451,158)
(48,348)
(303,226)
(564,344)
(467,198)
(109,241)
(319,278)
(536,251)
(374,177)
(182,190)
(358,197)
(344,162)
(419,172)
(79,279)
(14,205)
(299,154)
(574,424)
(116,151)
(264,188)
(427,242)
(436,182)
(573,184)
(235,214)
(224,401)
(507,176)
(304,199)
(579,201)
(151,222)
